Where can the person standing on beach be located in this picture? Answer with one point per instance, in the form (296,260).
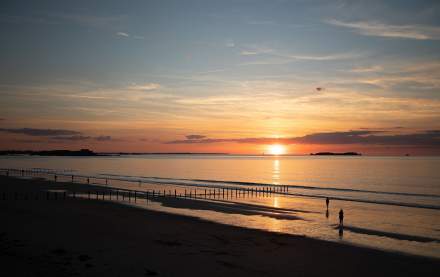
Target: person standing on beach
(341,218)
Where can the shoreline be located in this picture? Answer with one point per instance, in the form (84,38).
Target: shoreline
(94,237)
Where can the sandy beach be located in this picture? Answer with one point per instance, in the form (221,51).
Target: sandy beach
(80,237)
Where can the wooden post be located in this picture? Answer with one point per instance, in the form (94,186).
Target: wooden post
(175,193)
(72,178)
(103,195)
(135,196)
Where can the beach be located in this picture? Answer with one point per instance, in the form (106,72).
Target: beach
(81,237)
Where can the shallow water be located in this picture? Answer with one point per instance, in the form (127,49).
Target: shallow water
(394,201)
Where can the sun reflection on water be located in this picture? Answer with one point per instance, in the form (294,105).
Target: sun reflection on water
(276,171)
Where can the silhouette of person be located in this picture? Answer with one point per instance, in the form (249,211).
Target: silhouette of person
(341,218)
(327,201)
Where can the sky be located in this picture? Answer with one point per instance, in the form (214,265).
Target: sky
(221,76)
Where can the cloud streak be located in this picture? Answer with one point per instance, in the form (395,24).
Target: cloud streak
(373,28)
(40,132)
(81,138)
(195,137)
(366,137)
(145,87)
(122,34)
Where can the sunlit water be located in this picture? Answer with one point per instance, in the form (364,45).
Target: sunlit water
(390,203)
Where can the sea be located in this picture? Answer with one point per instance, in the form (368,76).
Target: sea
(389,203)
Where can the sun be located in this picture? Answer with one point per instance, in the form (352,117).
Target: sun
(276,149)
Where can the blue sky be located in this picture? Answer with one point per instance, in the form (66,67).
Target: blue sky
(148,72)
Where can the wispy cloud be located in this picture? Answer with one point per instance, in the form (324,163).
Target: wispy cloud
(230,43)
(128,35)
(256,51)
(373,28)
(329,57)
(367,69)
(122,34)
(195,136)
(145,87)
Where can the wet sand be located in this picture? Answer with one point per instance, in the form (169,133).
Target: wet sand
(79,237)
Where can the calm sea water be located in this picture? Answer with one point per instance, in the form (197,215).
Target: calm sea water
(391,203)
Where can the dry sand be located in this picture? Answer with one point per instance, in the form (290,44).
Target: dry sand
(75,237)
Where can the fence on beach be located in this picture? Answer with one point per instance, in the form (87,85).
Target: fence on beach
(112,188)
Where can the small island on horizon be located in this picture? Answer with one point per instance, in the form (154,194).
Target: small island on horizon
(336,154)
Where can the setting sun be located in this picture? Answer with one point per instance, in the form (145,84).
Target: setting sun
(276,149)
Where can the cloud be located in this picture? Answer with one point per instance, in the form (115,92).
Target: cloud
(145,87)
(369,137)
(375,68)
(373,28)
(255,50)
(103,138)
(40,132)
(122,34)
(127,35)
(195,137)
(230,43)
(70,138)
(81,138)
(55,134)
(330,57)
